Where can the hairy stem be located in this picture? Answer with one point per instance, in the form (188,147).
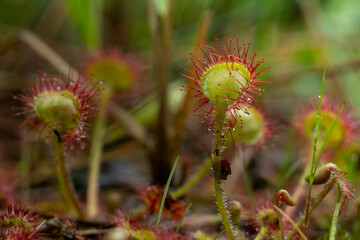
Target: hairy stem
(338,205)
(313,204)
(66,186)
(216,158)
(200,174)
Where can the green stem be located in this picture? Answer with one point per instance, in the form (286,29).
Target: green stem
(27,150)
(281,225)
(313,164)
(216,158)
(200,174)
(338,205)
(66,186)
(95,157)
(263,233)
(313,204)
(307,208)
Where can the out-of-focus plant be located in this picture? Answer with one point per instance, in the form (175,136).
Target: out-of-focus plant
(120,75)
(65,108)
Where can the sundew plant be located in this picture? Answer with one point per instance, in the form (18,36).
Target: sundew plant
(167,119)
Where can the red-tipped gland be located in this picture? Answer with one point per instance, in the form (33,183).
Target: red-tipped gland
(224,76)
(282,196)
(17,223)
(345,184)
(152,196)
(266,222)
(65,107)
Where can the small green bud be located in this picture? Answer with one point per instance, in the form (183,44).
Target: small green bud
(140,234)
(235,212)
(224,83)
(323,174)
(267,217)
(117,234)
(284,197)
(200,235)
(247,127)
(59,110)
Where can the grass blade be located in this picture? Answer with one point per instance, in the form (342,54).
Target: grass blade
(182,219)
(313,164)
(219,234)
(328,136)
(166,190)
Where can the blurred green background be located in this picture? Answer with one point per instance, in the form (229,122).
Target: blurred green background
(296,38)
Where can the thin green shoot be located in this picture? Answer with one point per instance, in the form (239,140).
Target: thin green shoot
(318,127)
(338,207)
(166,190)
(314,165)
(182,219)
(328,136)
(40,225)
(326,140)
(37,228)
(219,234)
(316,136)
(291,222)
